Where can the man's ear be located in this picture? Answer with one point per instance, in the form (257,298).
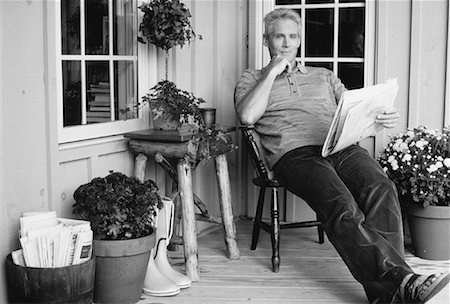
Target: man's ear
(265,40)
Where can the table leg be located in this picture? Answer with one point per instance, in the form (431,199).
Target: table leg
(223,183)
(188,219)
(139,166)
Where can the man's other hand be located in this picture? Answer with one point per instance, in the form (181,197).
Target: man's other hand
(389,118)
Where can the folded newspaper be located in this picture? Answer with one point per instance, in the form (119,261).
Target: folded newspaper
(355,115)
(50,241)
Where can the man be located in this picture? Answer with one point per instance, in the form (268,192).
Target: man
(292,107)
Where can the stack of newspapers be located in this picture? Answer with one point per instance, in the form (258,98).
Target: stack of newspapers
(49,241)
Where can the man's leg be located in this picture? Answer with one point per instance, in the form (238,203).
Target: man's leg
(366,249)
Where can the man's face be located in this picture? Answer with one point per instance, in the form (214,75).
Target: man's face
(283,39)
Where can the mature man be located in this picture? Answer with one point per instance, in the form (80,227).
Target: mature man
(291,107)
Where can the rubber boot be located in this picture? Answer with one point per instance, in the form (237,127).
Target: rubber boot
(163,235)
(155,283)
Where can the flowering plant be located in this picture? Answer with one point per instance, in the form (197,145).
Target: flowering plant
(119,207)
(418,162)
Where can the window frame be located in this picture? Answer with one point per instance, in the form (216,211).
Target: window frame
(146,57)
(259,55)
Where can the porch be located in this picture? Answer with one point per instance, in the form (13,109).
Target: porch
(309,273)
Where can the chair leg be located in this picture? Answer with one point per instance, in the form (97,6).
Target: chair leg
(258,217)
(320,232)
(275,231)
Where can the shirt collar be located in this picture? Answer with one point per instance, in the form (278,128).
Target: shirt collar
(301,68)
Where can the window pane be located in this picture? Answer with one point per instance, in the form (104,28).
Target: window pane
(124,35)
(125,90)
(348,1)
(71,71)
(319,33)
(97,27)
(70,27)
(318,1)
(327,65)
(351,32)
(281,2)
(98,108)
(351,74)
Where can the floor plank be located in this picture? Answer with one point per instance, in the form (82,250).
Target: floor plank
(309,273)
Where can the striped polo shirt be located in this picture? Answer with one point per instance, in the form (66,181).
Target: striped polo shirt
(300,108)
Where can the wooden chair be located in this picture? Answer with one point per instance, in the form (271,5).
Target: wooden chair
(264,180)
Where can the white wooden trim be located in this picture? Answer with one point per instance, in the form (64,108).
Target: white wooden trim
(415,69)
(257,10)
(447,75)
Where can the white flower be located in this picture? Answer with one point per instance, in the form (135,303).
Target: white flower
(447,162)
(407,157)
(410,134)
(439,164)
(432,168)
(391,158)
(394,164)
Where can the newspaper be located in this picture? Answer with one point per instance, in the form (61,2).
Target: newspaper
(355,115)
(49,241)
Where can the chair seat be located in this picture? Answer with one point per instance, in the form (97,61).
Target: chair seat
(263,182)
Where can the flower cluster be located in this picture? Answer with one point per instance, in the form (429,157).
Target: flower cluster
(119,207)
(418,161)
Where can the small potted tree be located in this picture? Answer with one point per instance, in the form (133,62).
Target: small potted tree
(418,162)
(121,210)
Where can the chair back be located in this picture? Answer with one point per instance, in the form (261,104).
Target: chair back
(256,152)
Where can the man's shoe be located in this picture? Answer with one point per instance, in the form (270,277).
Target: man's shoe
(421,288)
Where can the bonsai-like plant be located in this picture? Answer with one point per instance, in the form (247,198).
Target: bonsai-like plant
(418,162)
(119,207)
(165,24)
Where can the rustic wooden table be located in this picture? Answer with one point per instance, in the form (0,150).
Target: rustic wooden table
(168,148)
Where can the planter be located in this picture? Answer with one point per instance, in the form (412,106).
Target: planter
(120,269)
(71,284)
(430,231)
(166,122)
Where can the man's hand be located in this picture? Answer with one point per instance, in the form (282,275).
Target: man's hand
(389,118)
(277,65)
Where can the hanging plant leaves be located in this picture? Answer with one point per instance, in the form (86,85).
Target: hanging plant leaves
(165,23)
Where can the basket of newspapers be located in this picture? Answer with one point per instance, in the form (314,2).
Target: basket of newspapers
(54,263)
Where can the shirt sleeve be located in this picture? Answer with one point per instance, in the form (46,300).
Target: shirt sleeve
(245,84)
(338,87)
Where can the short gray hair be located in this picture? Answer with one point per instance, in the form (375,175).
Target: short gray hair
(280,13)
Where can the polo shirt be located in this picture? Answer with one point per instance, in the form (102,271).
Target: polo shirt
(300,109)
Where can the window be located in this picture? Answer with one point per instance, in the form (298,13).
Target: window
(98,68)
(333,36)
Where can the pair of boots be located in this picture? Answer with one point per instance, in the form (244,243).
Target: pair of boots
(161,279)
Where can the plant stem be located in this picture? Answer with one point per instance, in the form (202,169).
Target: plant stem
(166,62)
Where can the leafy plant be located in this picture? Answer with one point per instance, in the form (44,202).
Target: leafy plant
(418,161)
(119,207)
(166,24)
(180,105)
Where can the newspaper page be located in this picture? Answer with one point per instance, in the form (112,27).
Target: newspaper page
(355,115)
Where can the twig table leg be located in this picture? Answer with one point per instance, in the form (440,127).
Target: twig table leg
(223,183)
(189,226)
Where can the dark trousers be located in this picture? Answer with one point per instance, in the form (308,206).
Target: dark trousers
(360,211)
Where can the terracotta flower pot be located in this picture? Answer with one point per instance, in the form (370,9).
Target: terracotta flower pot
(430,231)
(166,122)
(120,269)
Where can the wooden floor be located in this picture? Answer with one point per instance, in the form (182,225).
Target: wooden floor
(310,272)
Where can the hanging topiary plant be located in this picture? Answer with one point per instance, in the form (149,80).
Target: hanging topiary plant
(165,24)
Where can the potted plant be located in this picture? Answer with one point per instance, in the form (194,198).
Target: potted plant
(171,106)
(121,210)
(418,162)
(166,24)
